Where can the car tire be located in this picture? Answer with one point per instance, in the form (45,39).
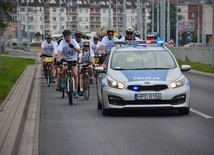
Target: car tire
(183,111)
(99,105)
(105,111)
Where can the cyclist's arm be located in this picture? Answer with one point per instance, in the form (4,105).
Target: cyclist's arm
(59,55)
(42,49)
(80,58)
(103,49)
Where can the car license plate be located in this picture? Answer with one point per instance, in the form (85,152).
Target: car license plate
(148,96)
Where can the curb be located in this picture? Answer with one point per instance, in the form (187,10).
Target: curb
(14,112)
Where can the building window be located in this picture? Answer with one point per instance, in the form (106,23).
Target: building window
(62,18)
(86,19)
(86,10)
(22,9)
(74,18)
(54,27)
(54,18)
(54,9)
(104,10)
(80,19)
(80,10)
(192,15)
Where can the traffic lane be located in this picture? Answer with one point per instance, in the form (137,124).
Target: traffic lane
(201,93)
(81,129)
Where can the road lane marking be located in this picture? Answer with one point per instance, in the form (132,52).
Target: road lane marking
(201,114)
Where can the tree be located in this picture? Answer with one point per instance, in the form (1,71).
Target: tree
(5,8)
(173,12)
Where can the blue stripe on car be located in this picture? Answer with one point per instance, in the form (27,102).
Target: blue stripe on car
(145,75)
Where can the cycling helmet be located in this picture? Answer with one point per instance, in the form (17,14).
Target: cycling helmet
(110,30)
(48,36)
(78,34)
(86,43)
(96,37)
(129,30)
(66,32)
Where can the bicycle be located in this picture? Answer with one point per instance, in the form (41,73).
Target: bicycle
(86,80)
(69,82)
(48,71)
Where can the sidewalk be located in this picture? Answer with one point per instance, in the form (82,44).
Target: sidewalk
(13,112)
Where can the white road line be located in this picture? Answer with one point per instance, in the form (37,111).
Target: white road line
(201,114)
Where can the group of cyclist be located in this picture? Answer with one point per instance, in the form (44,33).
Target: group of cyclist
(79,51)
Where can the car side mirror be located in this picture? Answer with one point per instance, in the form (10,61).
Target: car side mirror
(100,69)
(185,68)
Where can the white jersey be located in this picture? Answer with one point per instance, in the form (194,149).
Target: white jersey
(108,43)
(95,46)
(49,48)
(68,54)
(86,56)
(99,48)
(125,39)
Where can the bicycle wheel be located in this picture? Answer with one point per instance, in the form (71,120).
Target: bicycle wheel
(70,90)
(86,86)
(49,74)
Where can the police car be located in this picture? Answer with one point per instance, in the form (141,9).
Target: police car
(142,74)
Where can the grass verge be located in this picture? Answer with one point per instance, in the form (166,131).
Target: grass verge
(198,66)
(11,69)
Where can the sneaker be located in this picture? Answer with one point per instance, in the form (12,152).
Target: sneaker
(81,92)
(63,84)
(76,95)
(53,80)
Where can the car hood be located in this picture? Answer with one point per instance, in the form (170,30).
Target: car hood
(145,75)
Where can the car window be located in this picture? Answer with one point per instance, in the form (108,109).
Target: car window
(159,59)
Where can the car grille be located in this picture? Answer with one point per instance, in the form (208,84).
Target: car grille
(147,88)
(179,99)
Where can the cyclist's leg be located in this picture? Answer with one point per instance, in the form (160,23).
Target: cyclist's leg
(75,74)
(64,72)
(59,75)
(81,83)
(90,72)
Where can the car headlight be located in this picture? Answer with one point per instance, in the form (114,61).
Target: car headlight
(115,84)
(178,83)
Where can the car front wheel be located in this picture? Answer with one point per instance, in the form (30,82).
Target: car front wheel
(183,111)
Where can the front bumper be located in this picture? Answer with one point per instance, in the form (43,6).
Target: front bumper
(125,99)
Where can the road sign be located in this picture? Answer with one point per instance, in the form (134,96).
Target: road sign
(180,38)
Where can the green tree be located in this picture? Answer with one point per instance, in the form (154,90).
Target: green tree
(5,8)
(173,12)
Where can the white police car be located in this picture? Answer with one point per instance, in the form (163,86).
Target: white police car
(140,75)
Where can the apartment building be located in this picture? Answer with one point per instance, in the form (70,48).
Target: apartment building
(83,15)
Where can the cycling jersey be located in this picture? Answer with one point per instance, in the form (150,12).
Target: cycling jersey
(108,43)
(96,46)
(86,56)
(69,54)
(49,48)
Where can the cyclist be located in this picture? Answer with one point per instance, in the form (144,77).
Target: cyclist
(87,59)
(68,49)
(48,47)
(137,34)
(108,41)
(58,66)
(95,45)
(79,38)
(129,35)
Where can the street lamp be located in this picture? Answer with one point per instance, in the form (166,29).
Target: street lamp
(28,35)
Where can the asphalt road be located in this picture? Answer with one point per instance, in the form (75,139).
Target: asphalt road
(81,129)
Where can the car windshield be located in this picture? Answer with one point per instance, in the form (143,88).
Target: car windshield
(134,60)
